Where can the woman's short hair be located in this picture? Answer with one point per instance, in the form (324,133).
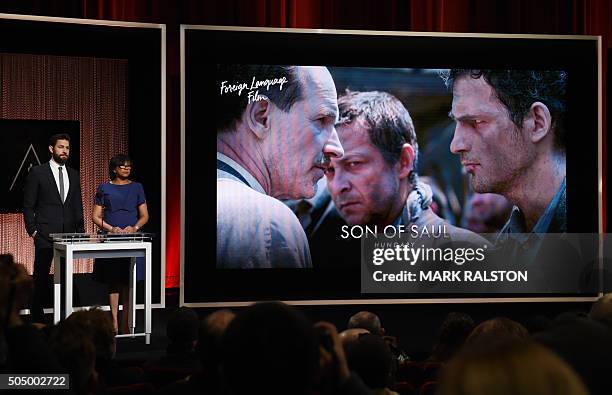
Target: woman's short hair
(117,160)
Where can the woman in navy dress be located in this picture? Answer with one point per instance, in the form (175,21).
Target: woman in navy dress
(120,207)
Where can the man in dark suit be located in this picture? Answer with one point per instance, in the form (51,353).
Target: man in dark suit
(52,203)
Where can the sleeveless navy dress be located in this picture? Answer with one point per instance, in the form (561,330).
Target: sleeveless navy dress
(120,203)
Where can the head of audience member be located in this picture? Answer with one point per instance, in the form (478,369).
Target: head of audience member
(509,128)
(487,213)
(601,310)
(499,328)
(211,333)
(72,344)
(371,182)
(182,329)
(368,321)
(283,137)
(371,358)
(511,367)
(455,329)
(349,336)
(586,345)
(98,325)
(15,289)
(270,348)
(59,147)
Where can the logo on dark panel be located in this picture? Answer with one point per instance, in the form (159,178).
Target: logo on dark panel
(30,159)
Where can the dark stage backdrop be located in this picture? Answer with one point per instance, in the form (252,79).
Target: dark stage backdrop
(91,91)
(581,17)
(24,143)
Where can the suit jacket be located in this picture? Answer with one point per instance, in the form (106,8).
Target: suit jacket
(43,210)
(327,248)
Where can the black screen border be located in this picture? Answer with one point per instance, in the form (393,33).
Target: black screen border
(209,45)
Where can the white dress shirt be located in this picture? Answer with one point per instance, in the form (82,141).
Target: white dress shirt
(55,170)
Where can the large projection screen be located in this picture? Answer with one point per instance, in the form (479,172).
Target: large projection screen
(411,67)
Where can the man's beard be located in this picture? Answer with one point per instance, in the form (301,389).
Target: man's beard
(59,159)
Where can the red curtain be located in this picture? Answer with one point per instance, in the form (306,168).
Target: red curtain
(582,17)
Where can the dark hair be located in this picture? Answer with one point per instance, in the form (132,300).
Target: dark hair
(211,332)
(58,136)
(7,259)
(365,320)
(389,123)
(231,105)
(284,344)
(73,347)
(117,160)
(182,327)
(371,358)
(7,289)
(453,332)
(99,326)
(519,89)
(15,288)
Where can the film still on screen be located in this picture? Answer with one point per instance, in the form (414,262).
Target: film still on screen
(321,167)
